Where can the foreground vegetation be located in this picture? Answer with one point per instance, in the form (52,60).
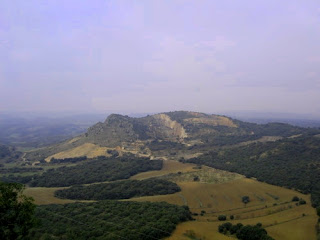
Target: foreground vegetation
(96,170)
(108,220)
(119,190)
(16,212)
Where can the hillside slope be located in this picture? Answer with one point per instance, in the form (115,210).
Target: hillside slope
(178,133)
(292,163)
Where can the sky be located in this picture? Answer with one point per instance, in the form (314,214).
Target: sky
(156,56)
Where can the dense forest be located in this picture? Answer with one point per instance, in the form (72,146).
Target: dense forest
(225,136)
(111,220)
(20,170)
(292,162)
(96,170)
(119,190)
(67,160)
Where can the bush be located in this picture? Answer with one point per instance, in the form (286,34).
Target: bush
(245,199)
(16,211)
(302,201)
(295,199)
(222,217)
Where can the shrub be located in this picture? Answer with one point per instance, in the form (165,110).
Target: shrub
(245,199)
(295,199)
(302,201)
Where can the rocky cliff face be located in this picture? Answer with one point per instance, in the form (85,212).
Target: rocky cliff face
(173,126)
(118,129)
(168,128)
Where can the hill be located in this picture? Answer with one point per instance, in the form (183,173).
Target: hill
(9,154)
(292,163)
(178,134)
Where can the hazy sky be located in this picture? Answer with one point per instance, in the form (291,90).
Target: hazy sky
(154,56)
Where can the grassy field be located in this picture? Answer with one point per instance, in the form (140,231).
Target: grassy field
(203,175)
(169,166)
(269,205)
(42,196)
(291,228)
(45,195)
(88,149)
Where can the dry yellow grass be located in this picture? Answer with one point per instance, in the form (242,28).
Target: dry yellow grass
(212,120)
(88,149)
(302,228)
(298,229)
(74,140)
(203,230)
(225,196)
(225,199)
(169,166)
(205,175)
(42,196)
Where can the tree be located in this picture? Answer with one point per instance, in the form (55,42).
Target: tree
(295,199)
(16,212)
(245,199)
(302,201)
(222,217)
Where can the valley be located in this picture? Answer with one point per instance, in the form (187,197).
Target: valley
(208,163)
(270,205)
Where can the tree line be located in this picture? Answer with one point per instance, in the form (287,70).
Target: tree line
(100,169)
(119,190)
(248,232)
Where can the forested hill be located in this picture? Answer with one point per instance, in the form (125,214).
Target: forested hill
(181,131)
(8,154)
(292,162)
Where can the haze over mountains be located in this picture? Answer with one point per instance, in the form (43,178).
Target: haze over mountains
(25,129)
